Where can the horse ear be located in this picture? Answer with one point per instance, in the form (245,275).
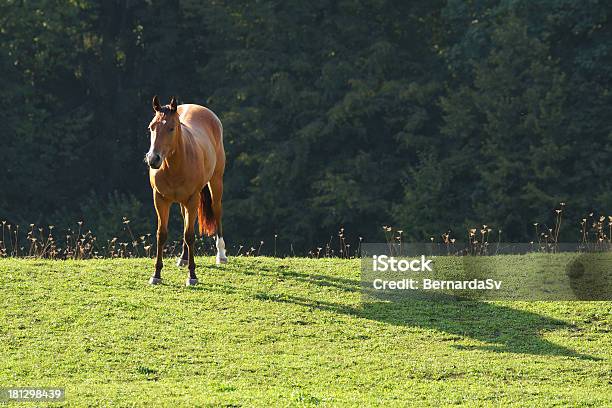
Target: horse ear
(156,105)
(173,104)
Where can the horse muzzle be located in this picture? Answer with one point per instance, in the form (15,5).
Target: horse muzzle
(154,160)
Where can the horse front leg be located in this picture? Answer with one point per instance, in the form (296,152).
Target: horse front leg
(191,213)
(183,260)
(162,207)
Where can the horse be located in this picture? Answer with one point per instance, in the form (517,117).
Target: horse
(186,164)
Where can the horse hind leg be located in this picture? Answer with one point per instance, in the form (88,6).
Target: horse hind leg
(216,187)
(191,214)
(183,260)
(221,257)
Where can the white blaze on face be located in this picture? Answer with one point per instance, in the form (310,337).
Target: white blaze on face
(152,143)
(153,131)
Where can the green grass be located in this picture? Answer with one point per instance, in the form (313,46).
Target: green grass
(289,332)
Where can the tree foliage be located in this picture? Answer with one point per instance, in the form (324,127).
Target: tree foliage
(423,115)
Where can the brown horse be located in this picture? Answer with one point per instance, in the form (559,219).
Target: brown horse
(186,164)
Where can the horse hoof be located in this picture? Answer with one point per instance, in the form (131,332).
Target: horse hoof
(191,282)
(154,281)
(180,262)
(221,260)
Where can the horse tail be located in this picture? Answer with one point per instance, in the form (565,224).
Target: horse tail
(206,219)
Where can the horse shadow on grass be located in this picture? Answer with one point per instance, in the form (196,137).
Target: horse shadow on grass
(503,329)
(284,273)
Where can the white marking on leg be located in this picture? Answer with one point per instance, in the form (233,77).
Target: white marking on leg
(221,246)
(221,258)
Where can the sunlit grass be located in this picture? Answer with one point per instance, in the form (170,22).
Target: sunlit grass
(268,332)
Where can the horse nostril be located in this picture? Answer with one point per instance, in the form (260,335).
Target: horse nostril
(154,159)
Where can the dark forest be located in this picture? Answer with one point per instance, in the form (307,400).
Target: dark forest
(421,115)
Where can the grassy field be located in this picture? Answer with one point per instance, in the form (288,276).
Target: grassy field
(289,332)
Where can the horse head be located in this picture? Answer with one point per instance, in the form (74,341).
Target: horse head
(165,129)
